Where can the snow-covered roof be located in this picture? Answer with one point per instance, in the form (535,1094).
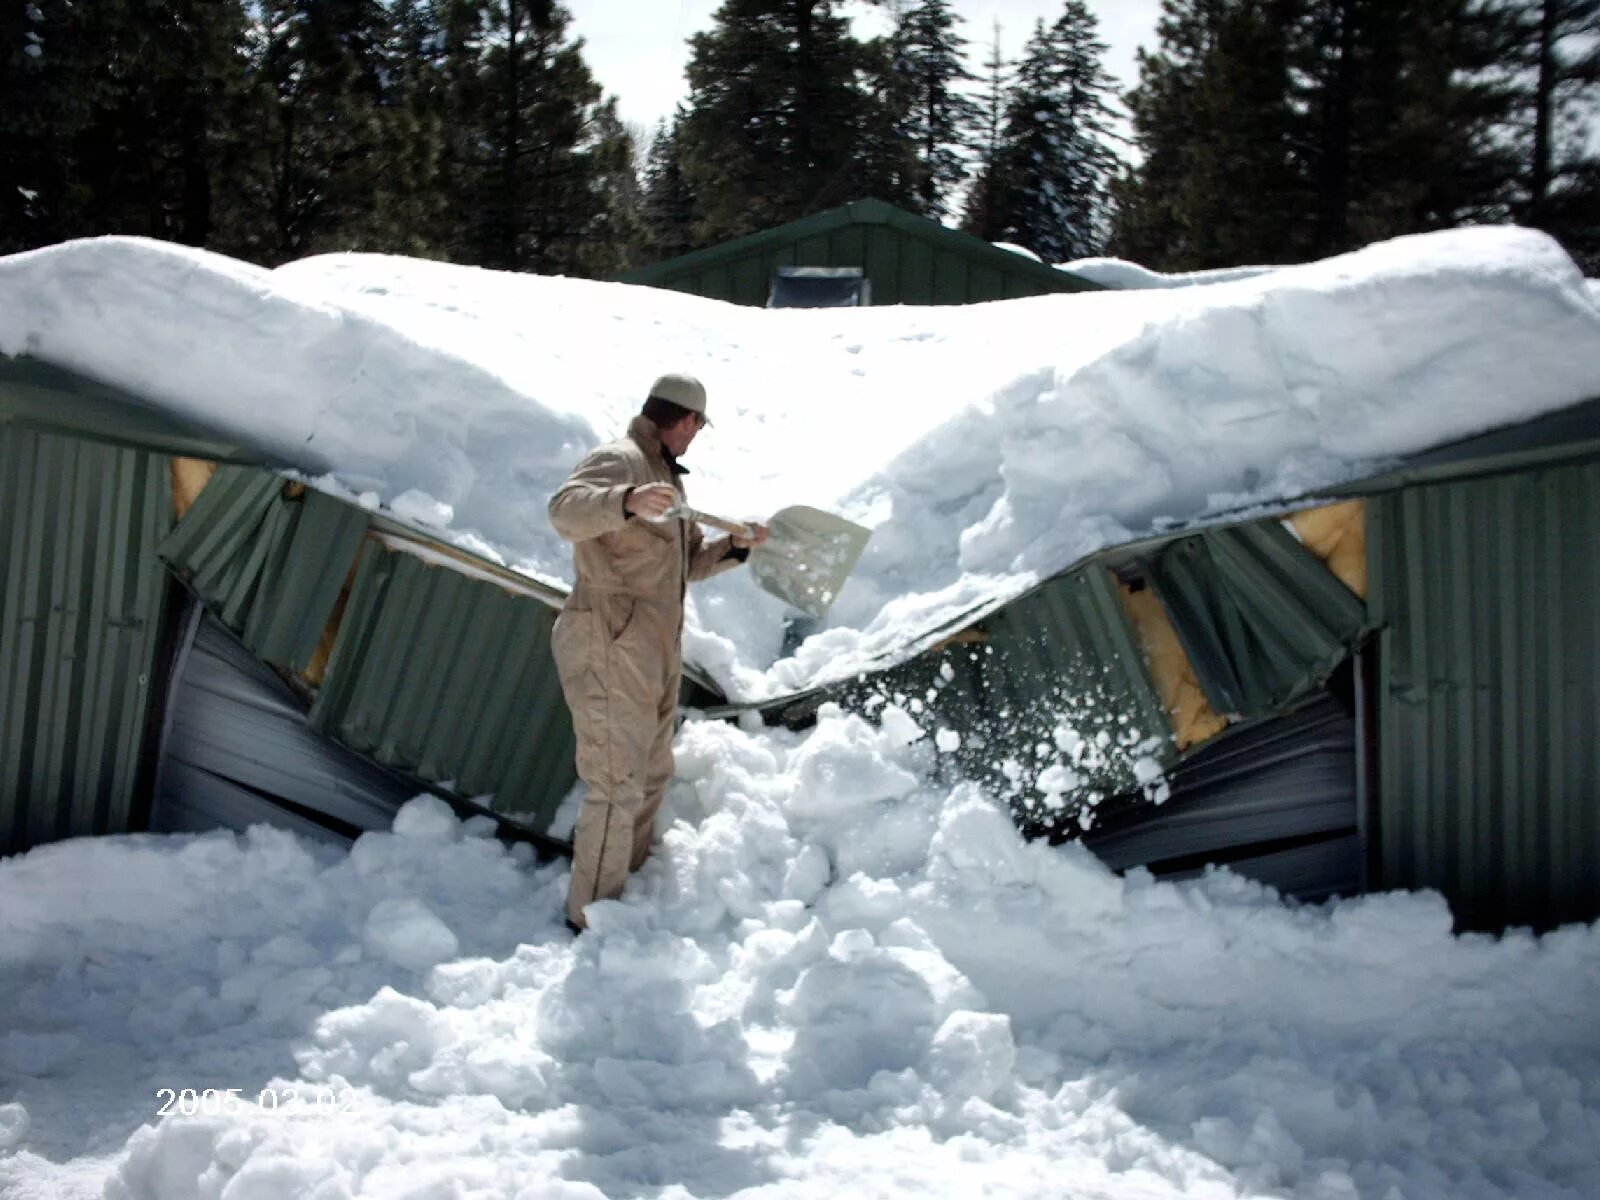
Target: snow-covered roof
(1120,273)
(988,446)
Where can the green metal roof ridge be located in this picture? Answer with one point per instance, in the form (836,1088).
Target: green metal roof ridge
(865,212)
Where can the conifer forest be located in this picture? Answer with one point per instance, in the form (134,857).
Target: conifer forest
(474,131)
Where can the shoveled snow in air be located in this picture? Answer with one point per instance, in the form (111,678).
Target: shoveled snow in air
(842,975)
(986,445)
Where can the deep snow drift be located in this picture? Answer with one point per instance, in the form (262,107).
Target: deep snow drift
(839,976)
(987,445)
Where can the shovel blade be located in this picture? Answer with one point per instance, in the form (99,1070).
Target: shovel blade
(808,556)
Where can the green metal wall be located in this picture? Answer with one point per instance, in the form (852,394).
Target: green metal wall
(434,672)
(81,605)
(1261,618)
(1488,694)
(907,259)
(270,565)
(451,678)
(903,269)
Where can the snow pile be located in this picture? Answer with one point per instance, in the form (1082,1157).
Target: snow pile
(1121,274)
(987,445)
(835,977)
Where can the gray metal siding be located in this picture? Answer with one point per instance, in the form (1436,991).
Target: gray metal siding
(1488,697)
(237,752)
(80,618)
(1276,801)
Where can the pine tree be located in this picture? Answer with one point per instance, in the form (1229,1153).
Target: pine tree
(1050,189)
(942,122)
(413,207)
(464,133)
(614,235)
(1397,132)
(886,164)
(1554,50)
(545,135)
(774,114)
(979,216)
(1279,130)
(316,185)
(115,116)
(1220,181)
(669,200)
(45,93)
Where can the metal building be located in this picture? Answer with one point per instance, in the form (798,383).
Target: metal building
(863,253)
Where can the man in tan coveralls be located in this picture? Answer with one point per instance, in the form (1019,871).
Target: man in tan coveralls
(618,642)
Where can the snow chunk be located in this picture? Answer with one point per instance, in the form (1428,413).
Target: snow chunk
(405,931)
(972,1054)
(427,818)
(415,505)
(13,1126)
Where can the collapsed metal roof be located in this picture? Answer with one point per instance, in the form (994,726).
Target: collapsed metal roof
(397,643)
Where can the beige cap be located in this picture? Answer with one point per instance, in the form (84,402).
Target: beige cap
(683,390)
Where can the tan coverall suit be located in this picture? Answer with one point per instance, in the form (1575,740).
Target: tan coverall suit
(618,646)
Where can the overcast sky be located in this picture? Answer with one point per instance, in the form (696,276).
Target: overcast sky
(637,50)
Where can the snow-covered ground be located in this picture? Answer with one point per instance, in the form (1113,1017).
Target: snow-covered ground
(842,975)
(986,445)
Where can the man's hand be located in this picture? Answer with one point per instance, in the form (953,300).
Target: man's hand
(761,533)
(652,501)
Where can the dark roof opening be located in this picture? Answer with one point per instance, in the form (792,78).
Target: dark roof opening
(820,287)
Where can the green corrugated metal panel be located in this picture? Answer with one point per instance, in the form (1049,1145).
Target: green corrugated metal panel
(1261,618)
(269,565)
(1488,694)
(80,618)
(909,260)
(451,678)
(881,261)
(1062,653)
(41,396)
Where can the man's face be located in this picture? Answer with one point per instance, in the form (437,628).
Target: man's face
(676,438)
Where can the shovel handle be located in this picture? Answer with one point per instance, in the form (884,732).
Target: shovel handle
(737,528)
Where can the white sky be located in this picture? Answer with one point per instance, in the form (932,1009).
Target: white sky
(637,48)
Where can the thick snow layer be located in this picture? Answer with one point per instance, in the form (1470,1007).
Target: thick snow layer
(987,445)
(1122,274)
(838,976)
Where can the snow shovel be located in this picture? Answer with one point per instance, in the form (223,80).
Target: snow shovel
(806,558)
